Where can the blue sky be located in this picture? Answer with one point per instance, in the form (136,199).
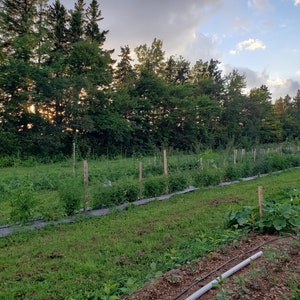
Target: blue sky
(260,38)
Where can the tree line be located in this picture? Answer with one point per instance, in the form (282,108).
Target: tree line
(59,85)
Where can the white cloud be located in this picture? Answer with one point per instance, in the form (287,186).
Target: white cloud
(296,2)
(175,22)
(281,87)
(298,73)
(250,44)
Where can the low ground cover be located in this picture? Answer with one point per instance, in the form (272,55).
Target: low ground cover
(113,255)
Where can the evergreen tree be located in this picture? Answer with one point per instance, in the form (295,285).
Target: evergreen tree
(92,30)
(77,22)
(124,74)
(177,71)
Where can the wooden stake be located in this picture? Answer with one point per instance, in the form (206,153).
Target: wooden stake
(234,156)
(254,155)
(166,169)
(201,163)
(260,200)
(141,178)
(73,158)
(243,152)
(85,181)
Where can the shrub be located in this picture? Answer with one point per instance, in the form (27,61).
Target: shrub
(102,197)
(207,177)
(154,186)
(131,190)
(115,194)
(22,203)
(70,194)
(178,182)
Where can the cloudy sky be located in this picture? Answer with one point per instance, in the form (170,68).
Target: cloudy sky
(260,38)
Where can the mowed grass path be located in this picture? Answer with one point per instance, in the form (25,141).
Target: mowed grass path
(75,261)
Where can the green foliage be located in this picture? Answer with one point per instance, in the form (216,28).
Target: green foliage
(123,244)
(206,177)
(178,181)
(22,203)
(70,194)
(111,194)
(279,217)
(46,182)
(154,186)
(243,218)
(282,214)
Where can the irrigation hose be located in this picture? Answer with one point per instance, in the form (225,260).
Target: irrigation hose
(224,264)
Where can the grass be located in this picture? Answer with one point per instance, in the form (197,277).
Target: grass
(101,255)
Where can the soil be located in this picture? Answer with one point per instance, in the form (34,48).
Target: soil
(272,276)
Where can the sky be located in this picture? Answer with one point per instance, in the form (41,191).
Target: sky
(259,38)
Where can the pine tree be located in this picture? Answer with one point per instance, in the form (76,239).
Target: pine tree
(77,22)
(124,74)
(92,30)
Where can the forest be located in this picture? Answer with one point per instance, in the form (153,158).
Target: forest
(59,85)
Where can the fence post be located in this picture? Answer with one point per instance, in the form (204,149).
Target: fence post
(166,170)
(85,181)
(141,178)
(73,158)
(260,200)
(234,156)
(201,163)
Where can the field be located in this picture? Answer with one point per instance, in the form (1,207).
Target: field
(29,190)
(114,255)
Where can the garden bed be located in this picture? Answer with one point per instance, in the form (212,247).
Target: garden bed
(274,275)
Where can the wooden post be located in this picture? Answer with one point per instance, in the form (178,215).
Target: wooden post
(243,152)
(254,155)
(74,158)
(234,156)
(260,200)
(166,169)
(141,179)
(85,181)
(201,163)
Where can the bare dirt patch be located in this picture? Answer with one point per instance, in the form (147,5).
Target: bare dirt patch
(271,276)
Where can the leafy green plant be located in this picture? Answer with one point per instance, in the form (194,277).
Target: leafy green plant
(207,177)
(224,293)
(111,194)
(178,181)
(22,203)
(246,217)
(281,214)
(70,194)
(279,217)
(154,186)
